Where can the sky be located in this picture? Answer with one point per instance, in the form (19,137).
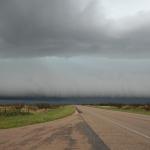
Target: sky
(75,48)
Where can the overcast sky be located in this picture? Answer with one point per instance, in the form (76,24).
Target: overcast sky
(75,48)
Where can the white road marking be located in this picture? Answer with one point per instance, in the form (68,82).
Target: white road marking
(120,125)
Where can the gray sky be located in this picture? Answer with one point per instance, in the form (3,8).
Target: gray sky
(69,47)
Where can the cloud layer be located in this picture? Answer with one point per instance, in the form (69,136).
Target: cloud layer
(75,48)
(35,28)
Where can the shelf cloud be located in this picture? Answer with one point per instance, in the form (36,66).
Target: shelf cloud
(75,48)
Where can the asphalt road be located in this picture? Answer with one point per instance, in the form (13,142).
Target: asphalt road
(88,129)
(118,130)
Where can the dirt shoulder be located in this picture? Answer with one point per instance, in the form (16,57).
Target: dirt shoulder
(63,134)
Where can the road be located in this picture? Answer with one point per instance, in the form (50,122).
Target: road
(69,133)
(119,130)
(90,128)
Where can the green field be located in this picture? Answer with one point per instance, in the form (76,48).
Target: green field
(128,108)
(22,119)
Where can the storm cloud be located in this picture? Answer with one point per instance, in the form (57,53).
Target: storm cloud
(35,28)
(75,48)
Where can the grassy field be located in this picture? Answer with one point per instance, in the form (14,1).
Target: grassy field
(139,109)
(10,120)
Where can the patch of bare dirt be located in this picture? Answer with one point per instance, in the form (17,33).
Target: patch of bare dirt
(63,134)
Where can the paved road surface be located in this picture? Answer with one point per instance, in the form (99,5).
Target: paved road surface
(91,129)
(119,130)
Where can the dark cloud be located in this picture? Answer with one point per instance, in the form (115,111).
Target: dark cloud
(35,28)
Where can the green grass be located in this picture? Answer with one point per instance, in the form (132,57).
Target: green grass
(130,110)
(32,118)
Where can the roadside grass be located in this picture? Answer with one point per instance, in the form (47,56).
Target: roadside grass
(23,119)
(127,108)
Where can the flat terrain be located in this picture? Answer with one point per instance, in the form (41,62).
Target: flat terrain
(90,129)
(141,109)
(8,120)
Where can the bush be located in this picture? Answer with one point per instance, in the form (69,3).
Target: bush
(126,107)
(147,107)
